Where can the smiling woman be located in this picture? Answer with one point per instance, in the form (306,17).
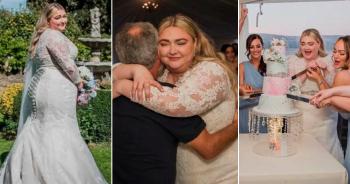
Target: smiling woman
(176,48)
(59,21)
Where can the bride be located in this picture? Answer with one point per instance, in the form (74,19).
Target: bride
(319,123)
(49,147)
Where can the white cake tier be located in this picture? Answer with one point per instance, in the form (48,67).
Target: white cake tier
(276,69)
(275,105)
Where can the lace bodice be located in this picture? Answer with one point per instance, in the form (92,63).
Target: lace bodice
(197,91)
(56,50)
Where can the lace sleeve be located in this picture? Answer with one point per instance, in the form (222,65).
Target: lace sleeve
(203,88)
(59,51)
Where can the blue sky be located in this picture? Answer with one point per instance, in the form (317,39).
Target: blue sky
(330,18)
(12,4)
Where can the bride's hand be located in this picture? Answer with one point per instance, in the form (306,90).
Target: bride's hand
(314,73)
(80,85)
(142,81)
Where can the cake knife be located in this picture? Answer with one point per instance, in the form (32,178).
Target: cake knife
(299,98)
(298,74)
(255,95)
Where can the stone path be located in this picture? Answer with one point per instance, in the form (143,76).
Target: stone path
(8,79)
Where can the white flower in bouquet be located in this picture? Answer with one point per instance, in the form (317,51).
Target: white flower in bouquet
(277,42)
(85,73)
(277,52)
(272,55)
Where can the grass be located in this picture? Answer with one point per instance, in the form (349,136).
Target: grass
(101,153)
(4,149)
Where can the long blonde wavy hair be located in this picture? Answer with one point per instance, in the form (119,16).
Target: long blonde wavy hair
(42,24)
(204,50)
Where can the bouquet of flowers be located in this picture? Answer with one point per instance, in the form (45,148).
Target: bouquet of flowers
(88,91)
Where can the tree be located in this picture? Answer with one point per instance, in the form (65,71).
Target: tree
(80,10)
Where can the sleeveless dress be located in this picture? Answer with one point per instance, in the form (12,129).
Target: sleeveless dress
(203,90)
(49,148)
(319,123)
(253,78)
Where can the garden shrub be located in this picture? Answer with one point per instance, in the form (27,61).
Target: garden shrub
(15,32)
(7,98)
(16,29)
(10,104)
(95,118)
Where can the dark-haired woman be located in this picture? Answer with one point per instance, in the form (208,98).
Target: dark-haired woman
(250,76)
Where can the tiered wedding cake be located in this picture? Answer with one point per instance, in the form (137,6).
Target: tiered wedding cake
(274,101)
(275,111)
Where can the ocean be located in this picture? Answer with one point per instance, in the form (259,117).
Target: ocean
(293,51)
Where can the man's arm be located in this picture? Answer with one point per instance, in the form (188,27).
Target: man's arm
(210,145)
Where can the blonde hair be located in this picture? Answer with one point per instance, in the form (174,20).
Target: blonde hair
(315,35)
(204,50)
(42,24)
(221,56)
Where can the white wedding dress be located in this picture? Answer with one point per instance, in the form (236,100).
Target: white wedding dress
(319,123)
(203,90)
(49,148)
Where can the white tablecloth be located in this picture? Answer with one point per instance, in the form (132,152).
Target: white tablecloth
(312,164)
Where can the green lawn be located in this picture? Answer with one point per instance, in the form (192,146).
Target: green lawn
(4,149)
(102,155)
(101,152)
